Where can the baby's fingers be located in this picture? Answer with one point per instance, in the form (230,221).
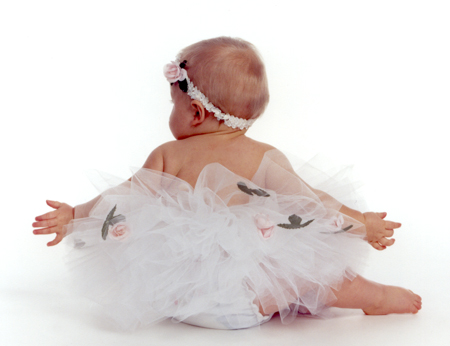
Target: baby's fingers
(53,204)
(377,246)
(388,233)
(45,223)
(46,216)
(386,242)
(45,230)
(57,240)
(392,225)
(382,215)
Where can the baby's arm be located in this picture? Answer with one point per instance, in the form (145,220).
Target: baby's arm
(155,160)
(378,230)
(54,221)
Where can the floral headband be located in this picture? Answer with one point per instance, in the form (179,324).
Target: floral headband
(175,72)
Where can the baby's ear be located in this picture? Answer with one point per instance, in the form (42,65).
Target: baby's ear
(199,113)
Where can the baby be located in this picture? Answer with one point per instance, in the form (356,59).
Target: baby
(217,229)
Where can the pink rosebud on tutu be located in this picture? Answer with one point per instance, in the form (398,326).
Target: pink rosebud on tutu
(119,231)
(337,222)
(174,73)
(264,224)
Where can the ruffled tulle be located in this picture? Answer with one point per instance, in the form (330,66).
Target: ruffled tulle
(220,252)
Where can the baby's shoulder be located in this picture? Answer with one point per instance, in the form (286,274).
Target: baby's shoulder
(167,157)
(155,160)
(259,146)
(274,155)
(262,149)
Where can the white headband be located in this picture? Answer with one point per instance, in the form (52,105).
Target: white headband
(174,73)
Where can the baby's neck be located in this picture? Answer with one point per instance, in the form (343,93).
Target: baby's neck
(223,135)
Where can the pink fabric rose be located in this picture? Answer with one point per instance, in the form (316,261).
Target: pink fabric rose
(338,222)
(264,224)
(174,73)
(119,231)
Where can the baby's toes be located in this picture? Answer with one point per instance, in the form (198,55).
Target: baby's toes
(417,303)
(418,306)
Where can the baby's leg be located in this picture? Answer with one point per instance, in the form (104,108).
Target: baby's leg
(376,299)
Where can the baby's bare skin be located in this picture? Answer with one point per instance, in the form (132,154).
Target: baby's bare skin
(54,221)
(376,299)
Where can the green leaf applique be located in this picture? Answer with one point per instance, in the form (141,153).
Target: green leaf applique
(295,222)
(340,231)
(258,192)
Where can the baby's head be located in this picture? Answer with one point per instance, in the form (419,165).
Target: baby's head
(230,73)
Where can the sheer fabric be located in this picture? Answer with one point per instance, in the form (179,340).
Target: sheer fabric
(273,242)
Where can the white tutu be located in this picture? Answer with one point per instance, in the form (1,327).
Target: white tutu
(219,254)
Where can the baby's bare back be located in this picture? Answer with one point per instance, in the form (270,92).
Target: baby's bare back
(186,158)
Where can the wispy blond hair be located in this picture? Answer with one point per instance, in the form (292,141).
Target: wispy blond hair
(230,72)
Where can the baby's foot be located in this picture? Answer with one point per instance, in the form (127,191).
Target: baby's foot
(395,300)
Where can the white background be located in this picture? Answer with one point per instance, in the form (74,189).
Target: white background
(363,82)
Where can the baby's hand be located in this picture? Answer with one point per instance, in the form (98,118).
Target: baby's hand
(379,230)
(54,221)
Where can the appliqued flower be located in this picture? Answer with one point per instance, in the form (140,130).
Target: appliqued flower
(111,221)
(174,73)
(264,224)
(119,231)
(337,222)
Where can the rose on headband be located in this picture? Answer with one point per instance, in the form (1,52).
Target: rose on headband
(264,224)
(119,231)
(174,73)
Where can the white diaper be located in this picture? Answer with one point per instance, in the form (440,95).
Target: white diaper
(242,313)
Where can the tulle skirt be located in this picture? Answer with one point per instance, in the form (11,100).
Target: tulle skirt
(225,254)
